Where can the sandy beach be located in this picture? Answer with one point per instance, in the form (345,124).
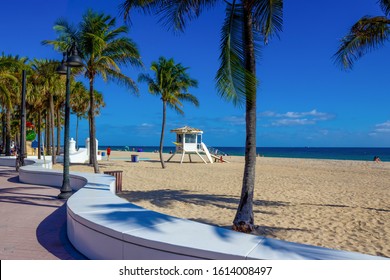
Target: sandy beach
(336,204)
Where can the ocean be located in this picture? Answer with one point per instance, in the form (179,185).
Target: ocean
(366,154)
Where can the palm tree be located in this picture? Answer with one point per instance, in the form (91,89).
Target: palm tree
(104,49)
(171,82)
(7,77)
(367,34)
(246,22)
(35,101)
(50,84)
(10,82)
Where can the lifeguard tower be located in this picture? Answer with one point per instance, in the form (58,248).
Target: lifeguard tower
(189,141)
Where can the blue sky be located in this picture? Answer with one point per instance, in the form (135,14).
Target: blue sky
(304,99)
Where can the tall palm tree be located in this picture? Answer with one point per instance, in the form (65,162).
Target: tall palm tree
(10,87)
(246,22)
(7,77)
(104,48)
(171,82)
(50,84)
(367,34)
(35,101)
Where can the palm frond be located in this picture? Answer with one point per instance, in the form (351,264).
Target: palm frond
(231,75)
(385,6)
(152,86)
(114,33)
(268,17)
(367,34)
(174,14)
(175,105)
(67,34)
(121,79)
(124,51)
(189,98)
(146,6)
(13,63)
(171,81)
(9,76)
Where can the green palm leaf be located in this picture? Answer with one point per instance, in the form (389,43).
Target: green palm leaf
(171,82)
(268,17)
(146,6)
(367,34)
(231,76)
(67,34)
(175,13)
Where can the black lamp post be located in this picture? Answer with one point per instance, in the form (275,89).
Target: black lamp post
(71,59)
(22,148)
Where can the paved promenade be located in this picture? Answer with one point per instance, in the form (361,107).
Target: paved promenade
(32,221)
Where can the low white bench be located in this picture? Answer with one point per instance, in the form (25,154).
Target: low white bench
(103,226)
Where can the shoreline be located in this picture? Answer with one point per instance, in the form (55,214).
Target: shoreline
(338,153)
(338,204)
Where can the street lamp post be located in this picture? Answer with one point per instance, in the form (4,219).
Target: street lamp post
(71,59)
(22,145)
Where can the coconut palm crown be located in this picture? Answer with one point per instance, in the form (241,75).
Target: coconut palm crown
(247,23)
(104,49)
(368,34)
(171,83)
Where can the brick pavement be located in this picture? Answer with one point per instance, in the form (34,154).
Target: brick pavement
(32,221)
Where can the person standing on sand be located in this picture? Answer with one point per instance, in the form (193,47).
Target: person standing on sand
(108,153)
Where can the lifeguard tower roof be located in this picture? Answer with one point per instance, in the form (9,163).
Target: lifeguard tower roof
(186,129)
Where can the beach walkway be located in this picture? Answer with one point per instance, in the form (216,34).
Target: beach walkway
(32,221)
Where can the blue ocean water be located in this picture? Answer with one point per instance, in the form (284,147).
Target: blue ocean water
(366,154)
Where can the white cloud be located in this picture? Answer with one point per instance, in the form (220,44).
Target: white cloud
(147,125)
(381,128)
(313,113)
(291,122)
(296,118)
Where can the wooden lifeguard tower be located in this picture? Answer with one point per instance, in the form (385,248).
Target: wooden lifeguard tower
(189,141)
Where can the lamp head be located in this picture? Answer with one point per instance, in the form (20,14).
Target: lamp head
(61,69)
(74,60)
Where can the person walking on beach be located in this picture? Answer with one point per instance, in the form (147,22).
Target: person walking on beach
(108,153)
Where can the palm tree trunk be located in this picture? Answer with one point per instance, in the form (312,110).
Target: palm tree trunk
(77,133)
(39,134)
(3,132)
(52,125)
(58,131)
(162,133)
(244,219)
(8,132)
(47,133)
(92,134)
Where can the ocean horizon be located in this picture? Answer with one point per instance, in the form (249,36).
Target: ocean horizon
(339,153)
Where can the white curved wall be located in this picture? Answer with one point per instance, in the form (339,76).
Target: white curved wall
(104,226)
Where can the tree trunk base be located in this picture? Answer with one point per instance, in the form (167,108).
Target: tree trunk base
(244,227)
